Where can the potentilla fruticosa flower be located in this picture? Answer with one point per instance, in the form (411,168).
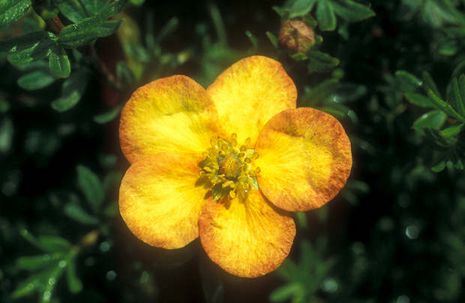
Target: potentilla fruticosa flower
(228,164)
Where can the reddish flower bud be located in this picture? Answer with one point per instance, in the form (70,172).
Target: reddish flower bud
(296,35)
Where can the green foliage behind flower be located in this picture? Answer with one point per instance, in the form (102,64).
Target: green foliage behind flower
(392,71)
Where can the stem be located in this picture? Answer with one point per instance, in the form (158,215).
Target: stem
(103,69)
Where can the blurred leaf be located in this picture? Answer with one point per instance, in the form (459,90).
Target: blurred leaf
(77,11)
(27,287)
(253,39)
(408,82)
(352,11)
(318,94)
(321,62)
(108,116)
(452,131)
(286,292)
(87,30)
(299,8)
(325,16)
(444,106)
(124,73)
(71,92)
(301,219)
(77,213)
(457,94)
(433,119)
(35,80)
(91,187)
(273,39)
(428,84)
(74,283)
(137,2)
(6,135)
(59,64)
(74,10)
(30,47)
(439,167)
(419,100)
(53,243)
(12,10)
(51,281)
(36,262)
(168,29)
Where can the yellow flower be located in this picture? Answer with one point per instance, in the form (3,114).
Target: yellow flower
(227,164)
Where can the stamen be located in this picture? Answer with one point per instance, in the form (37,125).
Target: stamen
(229,169)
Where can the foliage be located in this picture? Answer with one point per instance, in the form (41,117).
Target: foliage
(392,71)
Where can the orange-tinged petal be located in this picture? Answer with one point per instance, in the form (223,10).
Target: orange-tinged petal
(249,93)
(172,114)
(304,158)
(246,238)
(159,199)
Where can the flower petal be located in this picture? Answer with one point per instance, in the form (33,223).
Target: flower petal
(249,93)
(172,114)
(159,199)
(247,239)
(304,158)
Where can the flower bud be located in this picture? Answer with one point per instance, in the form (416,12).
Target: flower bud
(296,35)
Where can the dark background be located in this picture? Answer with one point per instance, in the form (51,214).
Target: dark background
(395,234)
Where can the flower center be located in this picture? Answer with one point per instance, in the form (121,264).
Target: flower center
(227,170)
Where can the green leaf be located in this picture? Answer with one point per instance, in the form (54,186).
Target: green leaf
(407,81)
(86,31)
(318,94)
(108,116)
(321,62)
(27,287)
(325,16)
(439,167)
(77,11)
(91,187)
(12,10)
(51,281)
(35,80)
(352,11)
(301,219)
(58,63)
(444,106)
(457,94)
(74,10)
(300,8)
(434,119)
(124,73)
(286,292)
(74,283)
(253,40)
(428,84)
(78,214)
(168,29)
(136,2)
(419,100)
(452,131)
(72,90)
(53,243)
(6,135)
(273,39)
(36,262)
(31,47)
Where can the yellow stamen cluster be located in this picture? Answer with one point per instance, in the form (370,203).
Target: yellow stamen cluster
(227,170)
